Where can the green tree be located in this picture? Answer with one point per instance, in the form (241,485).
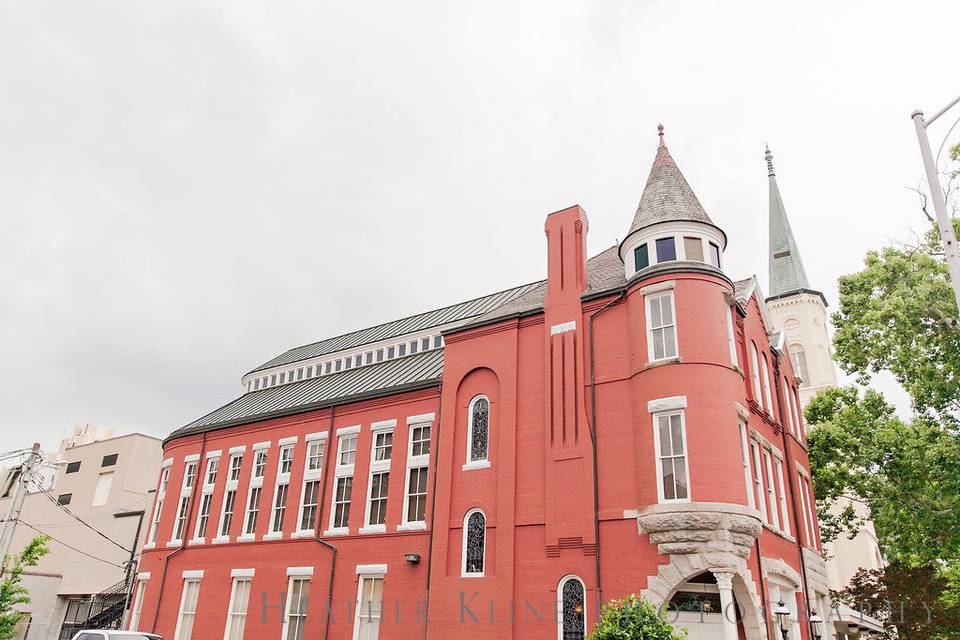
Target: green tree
(12,591)
(632,618)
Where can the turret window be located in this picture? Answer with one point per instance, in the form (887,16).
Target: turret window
(661,327)
(715,255)
(671,445)
(693,247)
(666,249)
(641,257)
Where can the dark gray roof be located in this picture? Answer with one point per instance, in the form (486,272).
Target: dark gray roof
(667,196)
(394,376)
(459,312)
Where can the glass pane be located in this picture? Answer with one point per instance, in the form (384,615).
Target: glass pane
(663,424)
(656,316)
(715,255)
(479,429)
(573,615)
(677,434)
(693,247)
(658,346)
(476,526)
(641,257)
(666,250)
(666,466)
(669,343)
(667,308)
(680,476)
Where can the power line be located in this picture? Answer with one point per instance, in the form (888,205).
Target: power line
(25,523)
(84,522)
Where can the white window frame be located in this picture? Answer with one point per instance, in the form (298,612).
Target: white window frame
(180,523)
(788,408)
(377,467)
(755,374)
(772,503)
(158,504)
(258,471)
(190,578)
(731,338)
(341,471)
(281,480)
(287,614)
(238,576)
(421,461)
(137,609)
(203,518)
(234,467)
(311,475)
(648,300)
(747,471)
(768,398)
(367,572)
(795,398)
(463,545)
(563,581)
(785,520)
(810,519)
(657,456)
(758,481)
(470,462)
(222,537)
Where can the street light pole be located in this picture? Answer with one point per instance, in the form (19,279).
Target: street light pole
(947,236)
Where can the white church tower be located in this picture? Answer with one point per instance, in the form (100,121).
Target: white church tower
(795,308)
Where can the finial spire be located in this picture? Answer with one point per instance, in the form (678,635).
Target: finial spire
(660,133)
(769,158)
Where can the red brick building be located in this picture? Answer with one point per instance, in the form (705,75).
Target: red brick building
(628,425)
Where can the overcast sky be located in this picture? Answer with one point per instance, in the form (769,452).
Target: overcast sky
(189,188)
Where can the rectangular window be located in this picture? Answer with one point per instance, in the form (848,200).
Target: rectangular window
(693,248)
(328,367)
(181,521)
(420,441)
(366,626)
(189,475)
(283,377)
(358,360)
(338,365)
(641,257)
(64,498)
(671,457)
(348,450)
(715,255)
(253,508)
(765,372)
(286,460)
(273,379)
(437,342)
(300,374)
(73,467)
(137,606)
(210,478)
(666,249)
(109,460)
(417,495)
(787,407)
(102,492)
(391,352)
(808,512)
(424,344)
(315,455)
(771,490)
(188,609)
(341,502)
(747,476)
(309,373)
(157,509)
(383,446)
(226,516)
(237,609)
(259,463)
(731,338)
(784,513)
(761,497)
(279,507)
(414,346)
(379,482)
(379,355)
(369,357)
(308,505)
(348,363)
(236,463)
(661,332)
(296,614)
(204,516)
(402,349)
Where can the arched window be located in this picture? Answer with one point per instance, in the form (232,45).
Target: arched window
(768,402)
(474,543)
(788,408)
(572,621)
(478,429)
(755,371)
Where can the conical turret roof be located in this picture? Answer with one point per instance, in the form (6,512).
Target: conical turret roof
(787,274)
(667,196)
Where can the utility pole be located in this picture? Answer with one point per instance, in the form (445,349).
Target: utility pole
(16,503)
(947,236)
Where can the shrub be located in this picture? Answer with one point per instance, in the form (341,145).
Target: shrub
(633,618)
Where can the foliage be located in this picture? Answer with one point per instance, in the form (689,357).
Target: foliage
(12,592)
(899,314)
(632,618)
(906,474)
(911,602)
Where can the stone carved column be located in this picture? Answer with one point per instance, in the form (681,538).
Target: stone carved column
(727,605)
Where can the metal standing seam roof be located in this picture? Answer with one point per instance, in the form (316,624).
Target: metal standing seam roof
(454,313)
(410,372)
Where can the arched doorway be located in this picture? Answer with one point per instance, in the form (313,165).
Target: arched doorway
(695,605)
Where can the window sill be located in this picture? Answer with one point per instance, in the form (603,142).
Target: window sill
(274,535)
(303,533)
(339,531)
(198,541)
(220,540)
(174,543)
(476,464)
(659,363)
(471,575)
(413,526)
(247,537)
(374,528)
(149,545)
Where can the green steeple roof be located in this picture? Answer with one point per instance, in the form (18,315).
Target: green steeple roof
(787,274)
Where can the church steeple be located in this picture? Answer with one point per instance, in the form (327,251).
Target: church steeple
(787,274)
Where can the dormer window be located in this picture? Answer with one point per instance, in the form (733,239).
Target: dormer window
(666,249)
(641,257)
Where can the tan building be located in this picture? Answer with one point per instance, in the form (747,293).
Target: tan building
(108,483)
(800,313)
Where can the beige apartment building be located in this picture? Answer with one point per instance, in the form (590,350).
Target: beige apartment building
(93,498)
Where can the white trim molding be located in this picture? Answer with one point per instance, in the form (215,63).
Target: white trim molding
(346,431)
(288,440)
(242,573)
(299,571)
(658,287)
(262,445)
(317,435)
(213,454)
(667,404)
(563,327)
(383,424)
(143,575)
(168,462)
(192,573)
(193,457)
(742,411)
(371,569)
(421,418)
(238,449)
